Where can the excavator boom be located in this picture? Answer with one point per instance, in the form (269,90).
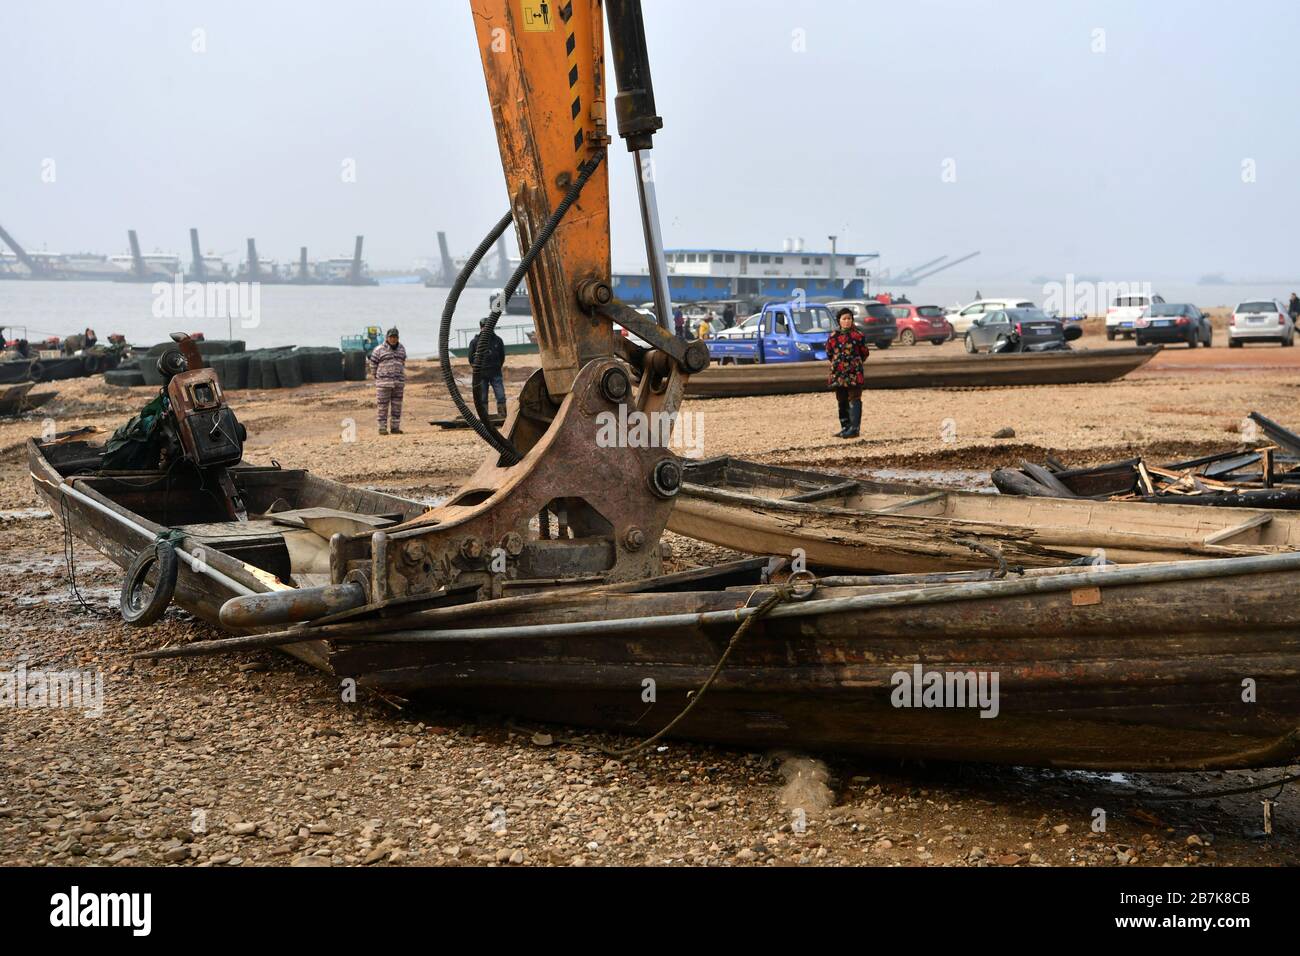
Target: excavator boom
(544,63)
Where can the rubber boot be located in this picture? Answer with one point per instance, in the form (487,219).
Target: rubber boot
(855,419)
(845,420)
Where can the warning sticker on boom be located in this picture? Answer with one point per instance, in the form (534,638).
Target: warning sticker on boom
(539,16)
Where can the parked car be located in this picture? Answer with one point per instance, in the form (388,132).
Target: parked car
(785,332)
(1019,330)
(1123,313)
(1258,320)
(964,316)
(874,319)
(1173,322)
(744,329)
(918,323)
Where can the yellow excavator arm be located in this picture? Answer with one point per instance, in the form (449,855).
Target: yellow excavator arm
(544,63)
(568,495)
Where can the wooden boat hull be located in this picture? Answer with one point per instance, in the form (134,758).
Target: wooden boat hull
(1067,367)
(14,399)
(744,506)
(1095,669)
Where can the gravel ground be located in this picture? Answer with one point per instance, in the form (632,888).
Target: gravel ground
(256,760)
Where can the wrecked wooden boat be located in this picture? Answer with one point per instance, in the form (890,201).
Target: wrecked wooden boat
(16,399)
(1264,477)
(1065,367)
(863,525)
(1108,668)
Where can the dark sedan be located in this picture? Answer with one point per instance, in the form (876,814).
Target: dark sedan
(1173,322)
(1018,330)
(874,319)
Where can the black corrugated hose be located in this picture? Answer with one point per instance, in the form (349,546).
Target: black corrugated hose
(483,426)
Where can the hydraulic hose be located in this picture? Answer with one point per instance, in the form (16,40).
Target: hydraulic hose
(483,426)
(444,335)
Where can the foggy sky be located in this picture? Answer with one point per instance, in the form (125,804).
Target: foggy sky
(1126,162)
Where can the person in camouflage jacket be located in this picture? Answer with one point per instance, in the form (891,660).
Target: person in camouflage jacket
(389,364)
(846,351)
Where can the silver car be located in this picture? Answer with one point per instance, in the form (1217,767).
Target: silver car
(1260,320)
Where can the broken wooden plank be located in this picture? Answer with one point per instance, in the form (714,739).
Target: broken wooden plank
(1144,477)
(920,500)
(1045,477)
(1276,433)
(821,494)
(1226,533)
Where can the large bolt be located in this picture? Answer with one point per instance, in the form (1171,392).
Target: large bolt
(634,539)
(615,385)
(593,293)
(471,549)
(413,551)
(697,357)
(513,544)
(666,479)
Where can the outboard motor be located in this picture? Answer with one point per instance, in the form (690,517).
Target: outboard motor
(208,432)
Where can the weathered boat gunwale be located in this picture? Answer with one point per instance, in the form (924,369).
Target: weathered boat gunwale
(1066,367)
(766,518)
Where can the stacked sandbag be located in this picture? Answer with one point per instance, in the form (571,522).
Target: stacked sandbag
(283,366)
(125,377)
(287,370)
(354,366)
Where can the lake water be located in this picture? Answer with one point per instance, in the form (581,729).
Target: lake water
(286,315)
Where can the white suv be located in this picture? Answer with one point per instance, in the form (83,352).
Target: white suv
(1122,316)
(961,318)
(1260,320)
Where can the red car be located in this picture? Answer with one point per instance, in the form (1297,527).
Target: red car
(920,322)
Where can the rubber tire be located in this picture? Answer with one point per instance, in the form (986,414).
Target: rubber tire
(1288,341)
(937,341)
(1110,335)
(1234,343)
(1137,340)
(970,344)
(92,364)
(885,345)
(164,555)
(1193,340)
(907,337)
(36,371)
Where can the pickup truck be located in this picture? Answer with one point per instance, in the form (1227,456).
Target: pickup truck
(783,332)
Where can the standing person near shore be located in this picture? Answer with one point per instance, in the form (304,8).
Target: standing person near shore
(846,350)
(487,369)
(679,323)
(388,361)
(704,330)
(1293,307)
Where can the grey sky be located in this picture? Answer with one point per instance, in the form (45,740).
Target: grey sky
(1127,162)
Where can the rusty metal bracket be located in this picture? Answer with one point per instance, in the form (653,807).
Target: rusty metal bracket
(588,500)
(690,357)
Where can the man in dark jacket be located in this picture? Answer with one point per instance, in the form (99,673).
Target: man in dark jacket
(1293,307)
(487,368)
